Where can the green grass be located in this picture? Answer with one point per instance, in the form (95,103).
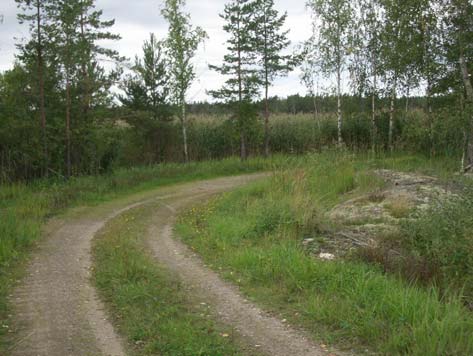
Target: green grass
(254,235)
(441,240)
(152,310)
(25,208)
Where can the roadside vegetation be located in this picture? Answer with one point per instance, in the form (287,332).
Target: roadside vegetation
(24,208)
(254,235)
(152,309)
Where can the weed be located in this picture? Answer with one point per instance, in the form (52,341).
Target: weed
(399,208)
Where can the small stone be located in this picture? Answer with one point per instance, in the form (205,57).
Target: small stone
(326,256)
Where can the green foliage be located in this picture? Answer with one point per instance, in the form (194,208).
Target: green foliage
(441,238)
(334,38)
(148,89)
(243,81)
(181,44)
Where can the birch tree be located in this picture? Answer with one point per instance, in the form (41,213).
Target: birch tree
(400,50)
(311,68)
(369,47)
(458,46)
(335,18)
(182,43)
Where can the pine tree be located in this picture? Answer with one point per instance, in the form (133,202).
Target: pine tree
(181,44)
(271,40)
(34,13)
(239,64)
(153,75)
(75,35)
(91,30)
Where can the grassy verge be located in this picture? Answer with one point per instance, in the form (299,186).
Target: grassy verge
(25,208)
(254,235)
(152,310)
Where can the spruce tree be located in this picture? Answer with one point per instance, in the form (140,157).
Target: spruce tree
(271,40)
(181,44)
(239,64)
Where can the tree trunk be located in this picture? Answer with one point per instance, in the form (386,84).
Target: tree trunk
(42,106)
(243,153)
(184,129)
(391,119)
(339,104)
(68,128)
(374,132)
(266,83)
(316,112)
(85,73)
(430,118)
(240,100)
(407,100)
(266,123)
(468,165)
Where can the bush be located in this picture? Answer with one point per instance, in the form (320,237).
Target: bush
(441,236)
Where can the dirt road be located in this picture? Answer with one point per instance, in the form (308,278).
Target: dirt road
(57,310)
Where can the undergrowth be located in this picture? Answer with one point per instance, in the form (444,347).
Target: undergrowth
(442,238)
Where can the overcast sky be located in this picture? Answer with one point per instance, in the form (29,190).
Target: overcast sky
(136,19)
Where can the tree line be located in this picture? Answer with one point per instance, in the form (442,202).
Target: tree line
(60,116)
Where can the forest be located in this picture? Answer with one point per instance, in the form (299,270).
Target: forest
(137,218)
(399,79)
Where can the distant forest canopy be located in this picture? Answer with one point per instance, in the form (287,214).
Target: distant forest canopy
(60,114)
(304,104)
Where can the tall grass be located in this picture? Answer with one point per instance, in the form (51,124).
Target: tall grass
(441,240)
(214,137)
(254,235)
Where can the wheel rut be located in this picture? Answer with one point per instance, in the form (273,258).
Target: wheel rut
(57,311)
(265,332)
